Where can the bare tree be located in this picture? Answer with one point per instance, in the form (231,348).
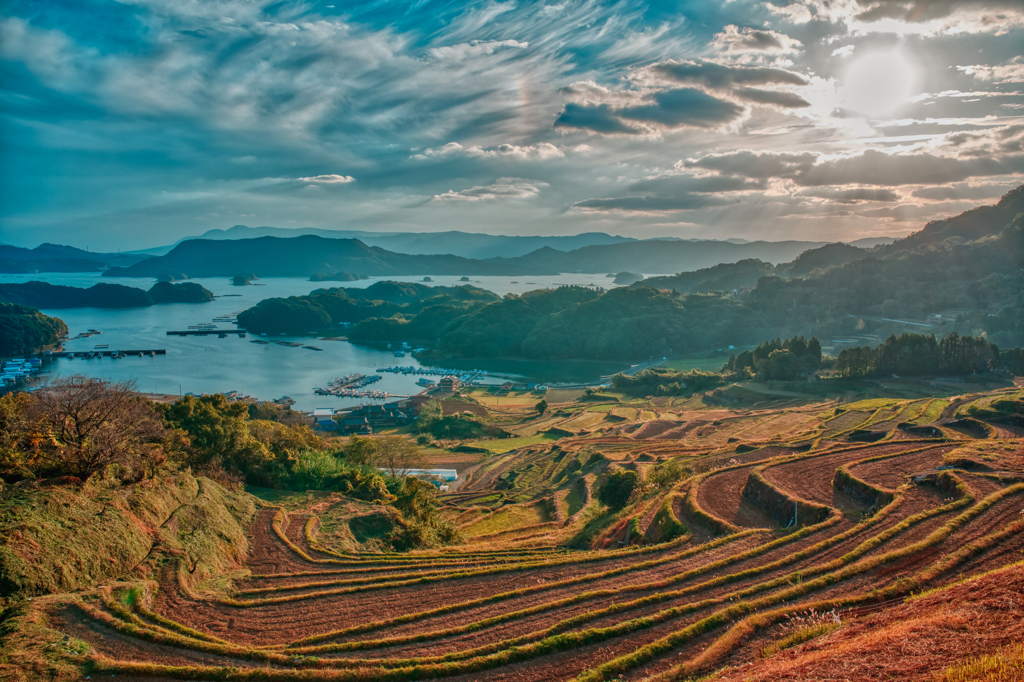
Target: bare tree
(397,454)
(85,425)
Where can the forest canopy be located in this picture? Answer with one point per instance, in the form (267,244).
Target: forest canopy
(25,330)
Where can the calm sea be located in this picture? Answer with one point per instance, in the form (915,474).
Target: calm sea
(265,371)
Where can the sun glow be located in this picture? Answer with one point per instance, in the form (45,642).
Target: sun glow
(877,84)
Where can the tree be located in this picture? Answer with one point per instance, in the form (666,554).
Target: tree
(618,488)
(219,435)
(541,407)
(84,425)
(361,451)
(396,454)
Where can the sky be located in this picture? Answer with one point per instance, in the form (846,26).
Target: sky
(132,124)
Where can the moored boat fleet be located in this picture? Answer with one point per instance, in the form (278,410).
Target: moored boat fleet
(465,376)
(18,370)
(350,385)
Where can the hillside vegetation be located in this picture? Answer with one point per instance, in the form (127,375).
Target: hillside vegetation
(665,538)
(24,330)
(102,295)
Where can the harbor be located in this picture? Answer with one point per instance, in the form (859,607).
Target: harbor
(106,353)
(351,385)
(464,376)
(221,333)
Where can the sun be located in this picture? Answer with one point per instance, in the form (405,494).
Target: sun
(877,83)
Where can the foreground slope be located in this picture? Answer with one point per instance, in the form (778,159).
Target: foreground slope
(746,521)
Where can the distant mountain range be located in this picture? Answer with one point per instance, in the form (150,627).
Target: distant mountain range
(657,256)
(290,252)
(308,254)
(302,257)
(455,243)
(58,258)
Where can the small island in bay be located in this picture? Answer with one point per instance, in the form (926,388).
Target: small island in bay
(102,295)
(341,276)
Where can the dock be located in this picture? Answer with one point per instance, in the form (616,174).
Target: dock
(105,353)
(222,333)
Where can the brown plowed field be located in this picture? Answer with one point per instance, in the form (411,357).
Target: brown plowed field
(520,605)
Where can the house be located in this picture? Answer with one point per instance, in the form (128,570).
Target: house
(355,425)
(381,415)
(324,417)
(449,383)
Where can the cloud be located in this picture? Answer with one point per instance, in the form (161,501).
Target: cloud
(724,76)
(735,40)
(851,196)
(644,204)
(957,93)
(504,188)
(540,151)
(329,179)
(876,167)
(473,49)
(844,51)
(1007,73)
(685,107)
(962,191)
(600,118)
(904,17)
(751,164)
(786,100)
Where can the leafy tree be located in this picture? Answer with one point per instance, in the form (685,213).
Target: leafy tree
(396,454)
(618,487)
(541,407)
(361,451)
(81,426)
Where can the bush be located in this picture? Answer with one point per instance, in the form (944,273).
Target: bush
(618,487)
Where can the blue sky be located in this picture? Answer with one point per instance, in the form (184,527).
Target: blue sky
(134,124)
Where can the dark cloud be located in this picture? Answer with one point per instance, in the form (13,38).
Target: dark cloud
(685,107)
(961,191)
(673,184)
(599,118)
(751,164)
(870,167)
(736,40)
(786,100)
(681,202)
(916,11)
(722,76)
(874,167)
(851,196)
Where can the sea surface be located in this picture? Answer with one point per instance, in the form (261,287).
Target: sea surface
(198,364)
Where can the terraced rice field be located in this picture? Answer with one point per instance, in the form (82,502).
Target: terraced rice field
(552,586)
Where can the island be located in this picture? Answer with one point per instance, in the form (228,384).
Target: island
(25,330)
(102,295)
(243,280)
(340,276)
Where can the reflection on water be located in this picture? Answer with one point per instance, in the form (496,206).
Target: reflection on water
(264,370)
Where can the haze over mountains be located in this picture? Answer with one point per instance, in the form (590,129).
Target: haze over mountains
(455,242)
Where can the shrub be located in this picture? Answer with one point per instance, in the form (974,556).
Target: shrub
(618,487)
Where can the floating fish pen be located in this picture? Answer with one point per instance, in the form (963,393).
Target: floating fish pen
(464,375)
(348,386)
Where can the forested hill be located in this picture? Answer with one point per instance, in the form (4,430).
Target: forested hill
(58,258)
(25,330)
(980,280)
(330,308)
(657,256)
(102,295)
(303,256)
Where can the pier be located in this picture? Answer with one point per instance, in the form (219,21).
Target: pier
(222,333)
(86,354)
